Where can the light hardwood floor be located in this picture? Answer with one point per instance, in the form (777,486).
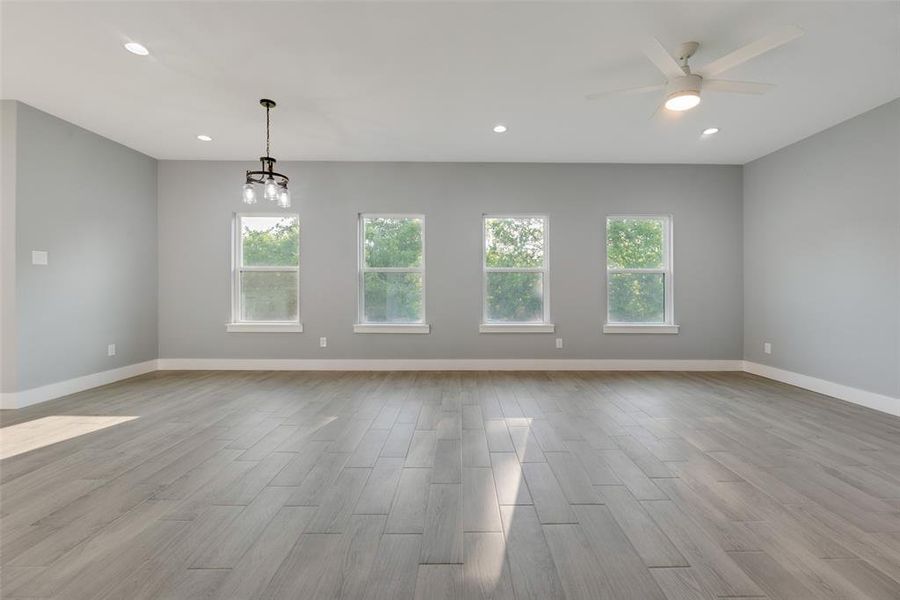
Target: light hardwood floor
(638,486)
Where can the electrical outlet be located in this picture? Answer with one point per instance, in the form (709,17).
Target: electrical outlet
(323,342)
(111,350)
(39,257)
(767,347)
(559,343)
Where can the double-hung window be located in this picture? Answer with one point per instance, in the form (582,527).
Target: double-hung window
(266,273)
(391,274)
(516,274)
(639,275)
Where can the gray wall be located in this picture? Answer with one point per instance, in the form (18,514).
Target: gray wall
(91,203)
(822,254)
(197,199)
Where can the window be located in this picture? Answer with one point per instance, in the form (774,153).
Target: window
(391,274)
(266,273)
(516,268)
(639,275)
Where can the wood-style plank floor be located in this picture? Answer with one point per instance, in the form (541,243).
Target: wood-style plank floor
(637,486)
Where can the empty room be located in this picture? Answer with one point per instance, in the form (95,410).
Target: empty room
(445,300)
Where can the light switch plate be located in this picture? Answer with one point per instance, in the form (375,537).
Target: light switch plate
(323,342)
(39,257)
(767,347)
(111,350)
(559,343)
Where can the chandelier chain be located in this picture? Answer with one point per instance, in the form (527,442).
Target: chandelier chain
(267,130)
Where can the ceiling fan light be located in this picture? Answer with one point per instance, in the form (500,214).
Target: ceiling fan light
(681,101)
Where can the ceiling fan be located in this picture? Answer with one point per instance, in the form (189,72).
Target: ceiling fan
(683,86)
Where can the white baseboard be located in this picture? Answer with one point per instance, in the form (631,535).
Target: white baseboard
(441,364)
(71,386)
(873,400)
(25,398)
(11,400)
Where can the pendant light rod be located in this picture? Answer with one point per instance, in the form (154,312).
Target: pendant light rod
(267,162)
(269,104)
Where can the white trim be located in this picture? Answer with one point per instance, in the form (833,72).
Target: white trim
(639,328)
(516,328)
(391,328)
(865,398)
(880,402)
(441,364)
(264,327)
(72,386)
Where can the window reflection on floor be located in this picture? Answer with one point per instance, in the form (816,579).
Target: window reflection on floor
(31,435)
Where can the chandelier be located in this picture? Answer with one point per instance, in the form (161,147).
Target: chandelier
(275,185)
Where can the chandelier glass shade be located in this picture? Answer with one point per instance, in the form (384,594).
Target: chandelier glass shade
(274,185)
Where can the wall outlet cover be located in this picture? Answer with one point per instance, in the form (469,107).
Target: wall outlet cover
(111,350)
(323,342)
(767,348)
(559,343)
(39,257)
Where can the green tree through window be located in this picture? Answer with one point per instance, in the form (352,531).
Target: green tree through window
(273,244)
(637,267)
(514,253)
(268,277)
(392,277)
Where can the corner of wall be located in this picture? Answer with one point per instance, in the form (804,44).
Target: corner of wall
(8,150)
(158,264)
(62,330)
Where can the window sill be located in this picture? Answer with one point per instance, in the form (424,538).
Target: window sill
(392,328)
(264,327)
(516,328)
(638,328)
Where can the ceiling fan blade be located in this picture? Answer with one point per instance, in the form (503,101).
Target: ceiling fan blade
(752,50)
(627,91)
(736,87)
(662,59)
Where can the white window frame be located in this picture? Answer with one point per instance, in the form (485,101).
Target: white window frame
(237,267)
(545,326)
(363,326)
(667,271)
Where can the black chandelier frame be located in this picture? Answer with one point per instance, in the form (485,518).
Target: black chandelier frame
(267,163)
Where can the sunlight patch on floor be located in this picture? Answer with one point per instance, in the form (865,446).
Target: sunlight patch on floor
(31,435)
(492,568)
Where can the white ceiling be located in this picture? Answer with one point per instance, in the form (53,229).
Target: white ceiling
(427,81)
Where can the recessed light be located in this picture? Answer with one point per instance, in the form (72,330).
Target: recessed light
(710,130)
(204,138)
(499,128)
(136,48)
